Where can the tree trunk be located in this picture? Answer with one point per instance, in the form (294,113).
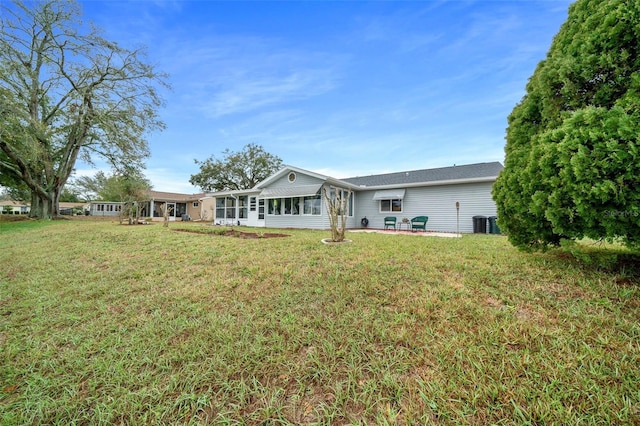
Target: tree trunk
(45,206)
(35,210)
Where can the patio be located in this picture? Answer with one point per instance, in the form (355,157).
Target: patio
(414,233)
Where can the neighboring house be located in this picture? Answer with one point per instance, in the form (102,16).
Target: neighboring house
(105,208)
(292,198)
(66,208)
(13,207)
(179,206)
(18,207)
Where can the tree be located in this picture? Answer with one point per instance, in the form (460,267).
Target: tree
(133,191)
(89,187)
(13,187)
(129,187)
(337,201)
(572,166)
(68,195)
(238,170)
(68,94)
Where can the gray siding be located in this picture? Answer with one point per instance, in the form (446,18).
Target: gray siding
(304,221)
(437,202)
(301,179)
(298,221)
(107,208)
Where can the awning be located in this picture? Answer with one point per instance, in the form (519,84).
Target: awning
(291,191)
(389,194)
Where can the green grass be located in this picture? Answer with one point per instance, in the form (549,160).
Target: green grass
(108,324)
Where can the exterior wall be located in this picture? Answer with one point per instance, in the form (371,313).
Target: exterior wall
(194,212)
(105,209)
(204,211)
(301,179)
(297,221)
(437,202)
(304,221)
(15,209)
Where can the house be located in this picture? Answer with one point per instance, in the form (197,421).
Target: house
(179,206)
(19,207)
(67,208)
(105,208)
(292,198)
(13,207)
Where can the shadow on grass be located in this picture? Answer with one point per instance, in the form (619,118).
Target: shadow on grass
(604,257)
(13,218)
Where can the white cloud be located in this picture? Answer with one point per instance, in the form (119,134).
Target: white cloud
(252,93)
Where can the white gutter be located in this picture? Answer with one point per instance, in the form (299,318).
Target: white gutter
(434,183)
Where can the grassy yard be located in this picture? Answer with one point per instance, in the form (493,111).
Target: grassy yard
(103,323)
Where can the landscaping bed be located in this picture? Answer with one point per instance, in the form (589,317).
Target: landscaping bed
(232,233)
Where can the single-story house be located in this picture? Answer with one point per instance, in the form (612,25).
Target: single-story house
(19,207)
(292,198)
(13,207)
(180,206)
(67,208)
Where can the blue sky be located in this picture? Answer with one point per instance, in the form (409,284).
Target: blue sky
(342,88)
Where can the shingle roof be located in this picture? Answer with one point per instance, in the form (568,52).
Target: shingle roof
(172,196)
(468,171)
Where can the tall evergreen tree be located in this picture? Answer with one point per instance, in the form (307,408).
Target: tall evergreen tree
(572,166)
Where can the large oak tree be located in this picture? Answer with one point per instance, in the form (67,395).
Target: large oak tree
(572,166)
(237,170)
(68,93)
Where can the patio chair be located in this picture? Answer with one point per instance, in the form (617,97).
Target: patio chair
(390,221)
(419,222)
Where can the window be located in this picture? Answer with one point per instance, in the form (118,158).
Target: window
(388,206)
(343,193)
(274,206)
(261,209)
(220,208)
(242,207)
(292,177)
(181,209)
(312,205)
(195,204)
(225,208)
(252,204)
(230,207)
(293,206)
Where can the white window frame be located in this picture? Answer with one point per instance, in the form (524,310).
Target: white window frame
(243,206)
(390,201)
(317,198)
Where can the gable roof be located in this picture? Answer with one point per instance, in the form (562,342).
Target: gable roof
(286,169)
(469,172)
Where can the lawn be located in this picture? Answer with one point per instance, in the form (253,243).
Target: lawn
(103,323)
